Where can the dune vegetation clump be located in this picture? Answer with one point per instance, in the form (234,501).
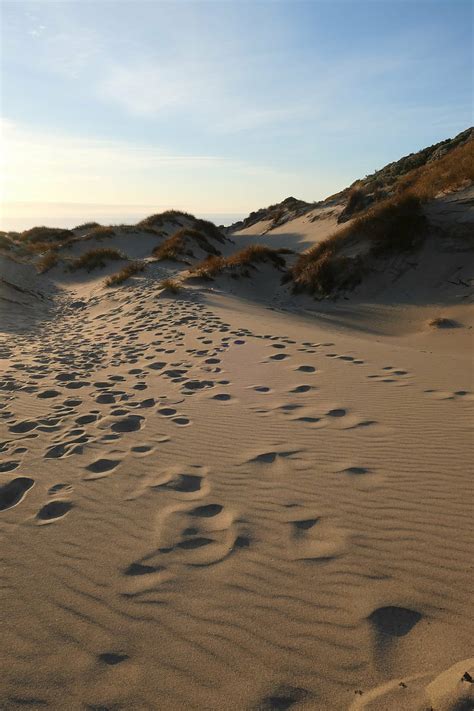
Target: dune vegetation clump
(393,226)
(170,285)
(46,234)
(121,276)
(6,242)
(451,172)
(243,259)
(47,261)
(180,244)
(159,218)
(96,259)
(101,232)
(87,226)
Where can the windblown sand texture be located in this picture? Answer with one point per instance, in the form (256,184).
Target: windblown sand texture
(216,501)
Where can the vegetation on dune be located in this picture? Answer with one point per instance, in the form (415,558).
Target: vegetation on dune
(385,226)
(204,226)
(444,167)
(179,245)
(87,226)
(5,242)
(121,276)
(390,227)
(451,172)
(46,234)
(159,218)
(96,259)
(47,261)
(245,258)
(100,232)
(170,285)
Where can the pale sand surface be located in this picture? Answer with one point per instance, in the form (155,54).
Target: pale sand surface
(208,503)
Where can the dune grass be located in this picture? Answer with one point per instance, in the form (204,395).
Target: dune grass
(121,276)
(395,225)
(96,259)
(101,232)
(46,234)
(179,245)
(249,256)
(47,261)
(449,173)
(170,285)
(87,226)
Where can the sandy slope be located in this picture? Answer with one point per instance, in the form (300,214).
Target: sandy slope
(206,503)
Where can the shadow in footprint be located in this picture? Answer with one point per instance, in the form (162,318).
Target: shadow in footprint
(112,658)
(284,697)
(54,510)
(13,492)
(394,621)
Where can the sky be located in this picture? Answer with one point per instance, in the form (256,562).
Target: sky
(219,107)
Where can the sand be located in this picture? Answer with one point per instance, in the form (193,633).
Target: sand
(209,502)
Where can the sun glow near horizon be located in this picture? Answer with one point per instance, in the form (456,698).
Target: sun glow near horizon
(207,108)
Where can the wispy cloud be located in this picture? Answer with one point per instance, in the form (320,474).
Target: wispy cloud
(44,166)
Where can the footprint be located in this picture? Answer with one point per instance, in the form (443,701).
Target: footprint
(131,423)
(53,510)
(181,421)
(306,369)
(60,489)
(301,389)
(339,412)
(270,457)
(393,621)
(167,412)
(9,466)
(282,698)
(112,658)
(14,491)
(101,468)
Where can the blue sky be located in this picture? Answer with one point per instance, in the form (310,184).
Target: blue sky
(224,106)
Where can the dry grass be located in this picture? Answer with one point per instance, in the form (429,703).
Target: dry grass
(248,257)
(451,172)
(178,246)
(96,259)
(125,273)
(5,242)
(47,261)
(101,232)
(170,285)
(87,226)
(393,226)
(46,234)
(158,219)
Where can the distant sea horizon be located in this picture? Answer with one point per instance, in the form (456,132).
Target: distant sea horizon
(20,216)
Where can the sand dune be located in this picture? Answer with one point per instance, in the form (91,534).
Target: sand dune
(222,495)
(149,562)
